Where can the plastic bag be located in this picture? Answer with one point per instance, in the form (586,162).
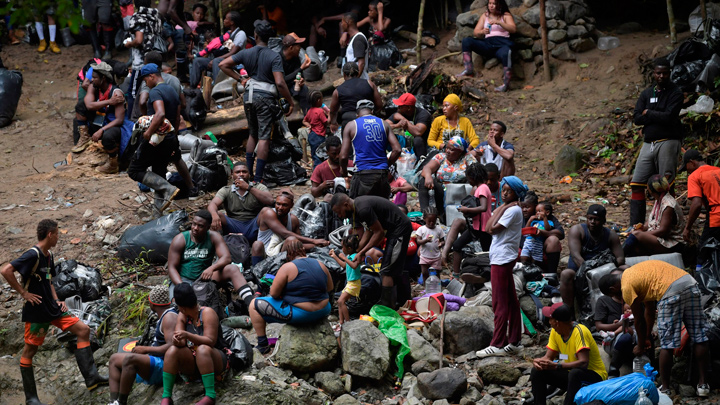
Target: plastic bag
(73,278)
(269,265)
(708,277)
(582,283)
(704,104)
(706,80)
(11,82)
(622,390)
(684,75)
(210,169)
(689,51)
(405,162)
(152,240)
(241,349)
(384,56)
(392,325)
(532,272)
(195,108)
(94,314)
(284,173)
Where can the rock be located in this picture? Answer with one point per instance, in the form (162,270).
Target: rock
(491,63)
(473,394)
(110,239)
(529,3)
(346,399)
(466,330)
(88,213)
(421,349)
(500,373)
(628,28)
(307,348)
(582,45)
(514,3)
(422,366)
(686,391)
(553,11)
(591,29)
(574,11)
(577,31)
(569,160)
(522,381)
(466,357)
(465,401)
(524,43)
(526,54)
(446,383)
(557,36)
(537,47)
(478,4)
(619,180)
(563,52)
(100,234)
(554,25)
(441,402)
(13,230)
(468,19)
(475,382)
(529,308)
(524,29)
(330,383)
(365,350)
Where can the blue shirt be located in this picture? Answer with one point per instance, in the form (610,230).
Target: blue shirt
(369,143)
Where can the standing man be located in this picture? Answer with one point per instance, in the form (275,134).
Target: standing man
(43,308)
(324,175)
(413,120)
(267,82)
(369,136)
(173,12)
(358,47)
(497,150)
(379,218)
(703,189)
(52,28)
(99,11)
(657,110)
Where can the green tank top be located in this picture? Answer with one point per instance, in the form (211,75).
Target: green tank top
(197,257)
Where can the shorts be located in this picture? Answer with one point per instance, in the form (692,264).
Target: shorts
(156,372)
(35,332)
(656,158)
(533,248)
(248,228)
(261,115)
(393,261)
(278,311)
(370,182)
(682,308)
(98,11)
(353,288)
(434,262)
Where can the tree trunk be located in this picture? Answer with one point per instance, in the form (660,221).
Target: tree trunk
(703,13)
(221,17)
(544,41)
(458,7)
(671,20)
(418,42)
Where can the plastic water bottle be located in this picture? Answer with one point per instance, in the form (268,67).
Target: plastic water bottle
(642,398)
(432,284)
(639,363)
(607,43)
(431,196)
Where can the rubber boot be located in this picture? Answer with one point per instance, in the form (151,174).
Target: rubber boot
(164,191)
(108,40)
(637,212)
(95,42)
(467,62)
(616,361)
(110,167)
(86,364)
(182,71)
(84,141)
(28,379)
(507,75)
(387,297)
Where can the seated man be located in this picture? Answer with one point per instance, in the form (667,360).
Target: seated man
(497,150)
(242,201)
(277,224)
(191,257)
(416,121)
(145,363)
(324,174)
(587,241)
(579,361)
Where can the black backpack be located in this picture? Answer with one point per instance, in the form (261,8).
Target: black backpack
(208,295)
(239,247)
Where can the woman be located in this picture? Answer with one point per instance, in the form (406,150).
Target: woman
(144,25)
(451,124)
(199,350)
(299,294)
(447,167)
(505,226)
(663,231)
(495,25)
(238,37)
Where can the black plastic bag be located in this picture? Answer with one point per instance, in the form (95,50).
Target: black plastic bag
(384,56)
(152,240)
(270,265)
(708,276)
(73,278)
(209,168)
(67,38)
(242,351)
(370,288)
(532,272)
(279,151)
(582,284)
(684,75)
(713,36)
(689,51)
(239,247)
(195,108)
(284,173)
(11,82)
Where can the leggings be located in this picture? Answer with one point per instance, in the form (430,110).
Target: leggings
(505,305)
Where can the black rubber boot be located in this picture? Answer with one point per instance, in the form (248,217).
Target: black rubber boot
(28,379)
(108,40)
(164,191)
(637,212)
(183,72)
(95,42)
(86,364)
(616,361)
(388,296)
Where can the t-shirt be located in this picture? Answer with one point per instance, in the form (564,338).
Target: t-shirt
(505,244)
(580,339)
(649,280)
(705,183)
(350,273)
(170,99)
(324,172)
(430,250)
(317,119)
(40,284)
(169,79)
(358,49)
(440,132)
(489,155)
(540,224)
(370,209)
(260,63)
(291,67)
(607,310)
(422,116)
(453,172)
(479,221)
(243,208)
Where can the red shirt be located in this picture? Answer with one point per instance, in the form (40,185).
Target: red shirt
(317,120)
(323,172)
(705,183)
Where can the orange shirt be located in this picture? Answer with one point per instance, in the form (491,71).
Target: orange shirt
(705,183)
(649,280)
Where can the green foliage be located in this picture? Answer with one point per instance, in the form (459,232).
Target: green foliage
(26,11)
(134,309)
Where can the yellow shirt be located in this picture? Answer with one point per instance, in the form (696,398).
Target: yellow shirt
(440,124)
(649,280)
(580,339)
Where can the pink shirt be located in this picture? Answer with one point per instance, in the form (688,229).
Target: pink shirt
(480,220)
(496,30)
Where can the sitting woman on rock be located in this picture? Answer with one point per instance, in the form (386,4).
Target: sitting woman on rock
(299,294)
(444,168)
(663,231)
(451,124)
(495,26)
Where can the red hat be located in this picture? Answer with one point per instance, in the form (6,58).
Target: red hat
(558,311)
(405,99)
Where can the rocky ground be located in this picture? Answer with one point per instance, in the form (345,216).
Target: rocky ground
(587,105)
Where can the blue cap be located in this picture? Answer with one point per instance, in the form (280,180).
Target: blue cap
(149,69)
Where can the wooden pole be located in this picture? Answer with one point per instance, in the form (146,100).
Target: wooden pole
(544,41)
(221,17)
(418,42)
(703,13)
(458,7)
(671,20)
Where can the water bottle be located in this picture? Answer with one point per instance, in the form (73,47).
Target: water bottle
(608,43)
(432,284)
(642,398)
(431,196)
(639,363)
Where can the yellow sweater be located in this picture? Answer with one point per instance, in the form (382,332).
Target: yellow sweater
(440,124)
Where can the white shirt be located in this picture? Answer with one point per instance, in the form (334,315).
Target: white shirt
(351,57)
(505,244)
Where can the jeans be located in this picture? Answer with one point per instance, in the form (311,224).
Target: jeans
(315,140)
(493,47)
(198,69)
(570,380)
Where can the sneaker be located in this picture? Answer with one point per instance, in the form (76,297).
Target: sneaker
(511,349)
(664,390)
(703,390)
(490,351)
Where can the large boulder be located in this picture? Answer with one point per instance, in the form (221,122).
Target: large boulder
(466,330)
(468,19)
(569,160)
(529,3)
(365,350)
(553,10)
(479,4)
(446,383)
(582,44)
(557,36)
(498,373)
(421,349)
(330,383)
(529,308)
(524,29)
(307,348)
(563,52)
(346,399)
(574,11)
(577,31)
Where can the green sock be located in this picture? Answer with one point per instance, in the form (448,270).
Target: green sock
(168,382)
(209,384)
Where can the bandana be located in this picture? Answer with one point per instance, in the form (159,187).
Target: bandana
(516,185)
(459,142)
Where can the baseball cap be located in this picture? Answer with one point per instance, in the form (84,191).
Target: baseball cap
(691,154)
(559,312)
(292,39)
(159,295)
(149,69)
(365,104)
(405,99)
(264,28)
(597,210)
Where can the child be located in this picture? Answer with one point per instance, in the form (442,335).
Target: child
(348,257)
(611,316)
(430,238)
(214,44)
(316,120)
(533,248)
(399,187)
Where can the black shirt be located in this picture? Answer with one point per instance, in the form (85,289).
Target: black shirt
(662,120)
(170,99)
(291,67)
(607,310)
(369,209)
(48,309)
(260,63)
(422,116)
(352,91)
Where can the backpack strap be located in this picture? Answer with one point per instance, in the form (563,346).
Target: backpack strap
(34,269)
